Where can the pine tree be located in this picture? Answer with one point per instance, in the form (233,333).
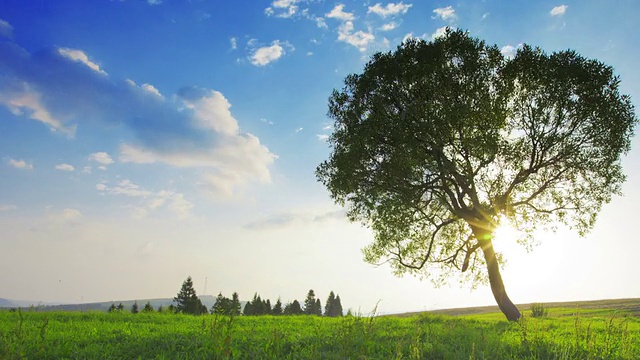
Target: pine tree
(160,309)
(147,308)
(222,305)
(134,308)
(112,308)
(310,303)
(235,305)
(318,308)
(337,307)
(120,307)
(248,310)
(277,308)
(267,307)
(187,301)
(293,308)
(328,306)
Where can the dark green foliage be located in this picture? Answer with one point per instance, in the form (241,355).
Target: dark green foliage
(120,307)
(318,308)
(187,301)
(222,305)
(333,307)
(112,308)
(293,308)
(277,308)
(235,304)
(147,308)
(247,309)
(134,308)
(160,309)
(310,304)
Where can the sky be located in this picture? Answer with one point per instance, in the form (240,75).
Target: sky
(144,141)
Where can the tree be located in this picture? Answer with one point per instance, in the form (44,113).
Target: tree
(222,305)
(438,143)
(277,308)
(134,307)
(333,307)
(293,308)
(310,303)
(112,308)
(120,307)
(235,305)
(187,301)
(247,309)
(317,308)
(147,307)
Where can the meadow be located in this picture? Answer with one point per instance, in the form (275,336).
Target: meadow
(565,333)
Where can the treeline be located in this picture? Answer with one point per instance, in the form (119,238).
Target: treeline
(187,302)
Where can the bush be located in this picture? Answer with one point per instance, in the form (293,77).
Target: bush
(538,310)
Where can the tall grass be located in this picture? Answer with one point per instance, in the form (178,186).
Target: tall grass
(94,335)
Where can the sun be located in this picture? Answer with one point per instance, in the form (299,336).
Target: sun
(505,238)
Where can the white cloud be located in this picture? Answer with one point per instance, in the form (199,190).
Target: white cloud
(338,13)
(66,215)
(439,32)
(323,137)
(269,122)
(234,43)
(154,2)
(559,10)
(22,97)
(128,188)
(80,56)
(6,30)
(267,54)
(7,207)
(20,164)
(446,13)
(321,23)
(309,53)
(389,26)
(192,128)
(282,8)
(359,39)
(210,110)
(101,157)
(390,9)
(64,167)
(150,201)
(101,187)
(298,130)
(509,51)
(485,16)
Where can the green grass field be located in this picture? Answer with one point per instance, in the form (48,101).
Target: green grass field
(566,333)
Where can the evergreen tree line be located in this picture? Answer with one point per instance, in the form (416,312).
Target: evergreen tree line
(187,302)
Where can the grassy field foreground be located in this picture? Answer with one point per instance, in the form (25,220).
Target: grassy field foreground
(563,334)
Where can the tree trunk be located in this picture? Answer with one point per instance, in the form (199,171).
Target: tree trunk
(495,279)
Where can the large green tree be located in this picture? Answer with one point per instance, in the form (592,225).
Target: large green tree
(187,301)
(437,143)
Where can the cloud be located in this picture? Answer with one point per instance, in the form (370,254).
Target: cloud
(390,9)
(68,215)
(101,157)
(20,164)
(298,130)
(154,2)
(286,219)
(7,207)
(6,30)
(338,13)
(64,167)
(268,54)
(559,10)
(234,43)
(192,128)
(321,23)
(150,201)
(446,13)
(359,39)
(439,32)
(323,137)
(81,57)
(510,51)
(389,26)
(282,8)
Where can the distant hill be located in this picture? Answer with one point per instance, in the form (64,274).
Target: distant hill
(631,305)
(207,300)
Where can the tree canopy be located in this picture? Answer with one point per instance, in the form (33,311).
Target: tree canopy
(437,143)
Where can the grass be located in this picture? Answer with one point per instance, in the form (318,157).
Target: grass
(565,333)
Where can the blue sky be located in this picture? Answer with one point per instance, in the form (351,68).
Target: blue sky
(145,141)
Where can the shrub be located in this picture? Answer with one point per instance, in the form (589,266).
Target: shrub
(538,310)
